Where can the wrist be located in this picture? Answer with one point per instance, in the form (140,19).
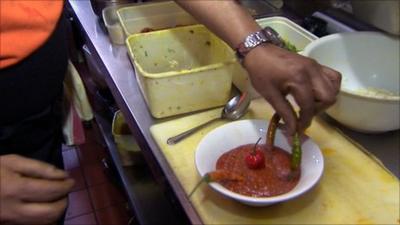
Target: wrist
(262,52)
(253,40)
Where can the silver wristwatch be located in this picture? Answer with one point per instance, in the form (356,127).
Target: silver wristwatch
(266,35)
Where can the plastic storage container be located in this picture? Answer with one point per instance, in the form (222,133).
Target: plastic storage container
(289,31)
(128,149)
(182,69)
(156,16)
(113,25)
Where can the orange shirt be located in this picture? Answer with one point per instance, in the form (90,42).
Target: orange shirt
(24,26)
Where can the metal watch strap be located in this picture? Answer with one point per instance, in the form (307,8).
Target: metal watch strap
(266,35)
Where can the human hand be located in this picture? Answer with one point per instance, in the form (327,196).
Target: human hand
(275,73)
(31,192)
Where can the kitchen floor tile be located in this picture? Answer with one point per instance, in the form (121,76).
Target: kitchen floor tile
(71,159)
(94,174)
(77,175)
(88,153)
(93,188)
(78,204)
(91,134)
(88,219)
(100,152)
(105,195)
(113,215)
(96,136)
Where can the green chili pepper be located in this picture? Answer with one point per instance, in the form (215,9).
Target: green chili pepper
(296,152)
(296,145)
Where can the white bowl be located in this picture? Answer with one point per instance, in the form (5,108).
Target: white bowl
(238,133)
(369,100)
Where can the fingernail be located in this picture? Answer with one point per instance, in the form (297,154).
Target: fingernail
(55,169)
(282,127)
(59,172)
(288,131)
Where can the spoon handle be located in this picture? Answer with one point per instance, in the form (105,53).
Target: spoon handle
(181,136)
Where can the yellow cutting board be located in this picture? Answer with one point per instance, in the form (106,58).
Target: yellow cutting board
(355,187)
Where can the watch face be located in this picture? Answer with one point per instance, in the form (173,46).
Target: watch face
(273,36)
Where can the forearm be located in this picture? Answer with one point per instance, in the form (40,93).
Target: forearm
(274,72)
(226,18)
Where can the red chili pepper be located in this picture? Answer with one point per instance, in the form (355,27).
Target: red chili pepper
(256,159)
(273,125)
(222,175)
(218,175)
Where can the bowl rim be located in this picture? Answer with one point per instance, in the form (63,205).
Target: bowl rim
(260,200)
(374,98)
(349,92)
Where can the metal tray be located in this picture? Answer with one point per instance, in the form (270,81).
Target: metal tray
(154,16)
(112,23)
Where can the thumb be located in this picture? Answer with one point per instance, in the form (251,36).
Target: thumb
(32,168)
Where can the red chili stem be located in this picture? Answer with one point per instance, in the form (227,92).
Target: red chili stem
(255,146)
(215,176)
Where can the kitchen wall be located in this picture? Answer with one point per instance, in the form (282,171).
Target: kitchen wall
(306,7)
(383,14)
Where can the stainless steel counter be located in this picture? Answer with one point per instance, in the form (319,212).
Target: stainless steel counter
(120,77)
(114,64)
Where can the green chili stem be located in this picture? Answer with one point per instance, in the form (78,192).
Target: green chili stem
(206,178)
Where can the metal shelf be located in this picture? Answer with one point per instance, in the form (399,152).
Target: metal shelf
(147,200)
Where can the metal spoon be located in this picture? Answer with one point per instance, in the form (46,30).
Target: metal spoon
(233,110)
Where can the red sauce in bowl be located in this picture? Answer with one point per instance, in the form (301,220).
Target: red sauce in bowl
(274,179)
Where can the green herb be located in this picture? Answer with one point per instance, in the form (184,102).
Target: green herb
(289,46)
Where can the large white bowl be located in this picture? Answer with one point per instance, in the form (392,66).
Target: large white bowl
(238,133)
(369,64)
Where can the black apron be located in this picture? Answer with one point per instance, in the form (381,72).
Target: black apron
(30,101)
